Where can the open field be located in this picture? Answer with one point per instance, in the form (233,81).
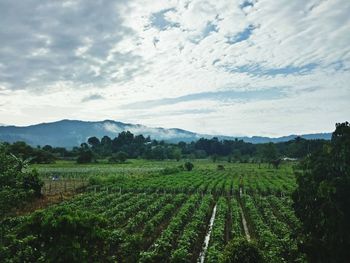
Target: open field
(167,217)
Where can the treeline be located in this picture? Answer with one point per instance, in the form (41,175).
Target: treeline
(30,154)
(127,145)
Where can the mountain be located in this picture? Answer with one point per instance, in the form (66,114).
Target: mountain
(69,133)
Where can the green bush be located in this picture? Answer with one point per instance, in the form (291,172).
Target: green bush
(240,250)
(17,185)
(59,234)
(188,166)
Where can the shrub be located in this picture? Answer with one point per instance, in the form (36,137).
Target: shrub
(17,185)
(220,167)
(188,166)
(240,250)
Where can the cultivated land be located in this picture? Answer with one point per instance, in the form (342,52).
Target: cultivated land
(166,216)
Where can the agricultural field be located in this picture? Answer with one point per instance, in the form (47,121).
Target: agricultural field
(187,216)
(140,175)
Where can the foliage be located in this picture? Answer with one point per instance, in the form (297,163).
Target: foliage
(188,166)
(220,167)
(85,154)
(60,234)
(26,152)
(161,249)
(17,185)
(322,200)
(119,157)
(138,146)
(155,217)
(217,239)
(239,250)
(170,170)
(269,152)
(193,233)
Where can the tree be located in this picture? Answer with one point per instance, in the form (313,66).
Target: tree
(17,185)
(177,154)
(119,157)
(106,145)
(85,154)
(158,152)
(188,166)
(47,148)
(322,200)
(269,152)
(34,155)
(276,163)
(237,156)
(94,142)
(240,250)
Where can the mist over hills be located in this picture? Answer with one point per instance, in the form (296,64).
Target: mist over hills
(69,133)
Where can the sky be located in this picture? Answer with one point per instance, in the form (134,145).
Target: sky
(248,67)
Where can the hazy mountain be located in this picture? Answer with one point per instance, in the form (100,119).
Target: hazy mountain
(69,133)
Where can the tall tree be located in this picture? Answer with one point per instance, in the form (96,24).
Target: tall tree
(322,200)
(94,141)
(269,152)
(17,184)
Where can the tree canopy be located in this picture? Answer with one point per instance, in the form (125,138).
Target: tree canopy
(322,200)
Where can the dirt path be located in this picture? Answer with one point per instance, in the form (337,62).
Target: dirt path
(207,237)
(228,225)
(244,221)
(245,226)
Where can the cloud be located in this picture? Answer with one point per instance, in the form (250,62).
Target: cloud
(211,27)
(226,95)
(71,41)
(259,71)
(238,62)
(146,131)
(111,127)
(92,97)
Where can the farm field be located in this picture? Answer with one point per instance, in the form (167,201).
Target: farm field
(184,216)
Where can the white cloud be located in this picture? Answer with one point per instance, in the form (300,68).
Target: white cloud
(60,54)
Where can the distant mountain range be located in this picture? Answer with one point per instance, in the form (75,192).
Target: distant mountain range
(69,133)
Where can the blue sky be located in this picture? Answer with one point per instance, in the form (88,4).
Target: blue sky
(222,67)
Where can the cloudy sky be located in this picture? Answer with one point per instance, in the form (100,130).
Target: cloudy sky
(256,67)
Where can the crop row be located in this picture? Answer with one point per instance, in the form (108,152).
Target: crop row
(217,239)
(225,182)
(272,233)
(171,227)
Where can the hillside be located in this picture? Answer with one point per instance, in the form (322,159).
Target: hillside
(69,133)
